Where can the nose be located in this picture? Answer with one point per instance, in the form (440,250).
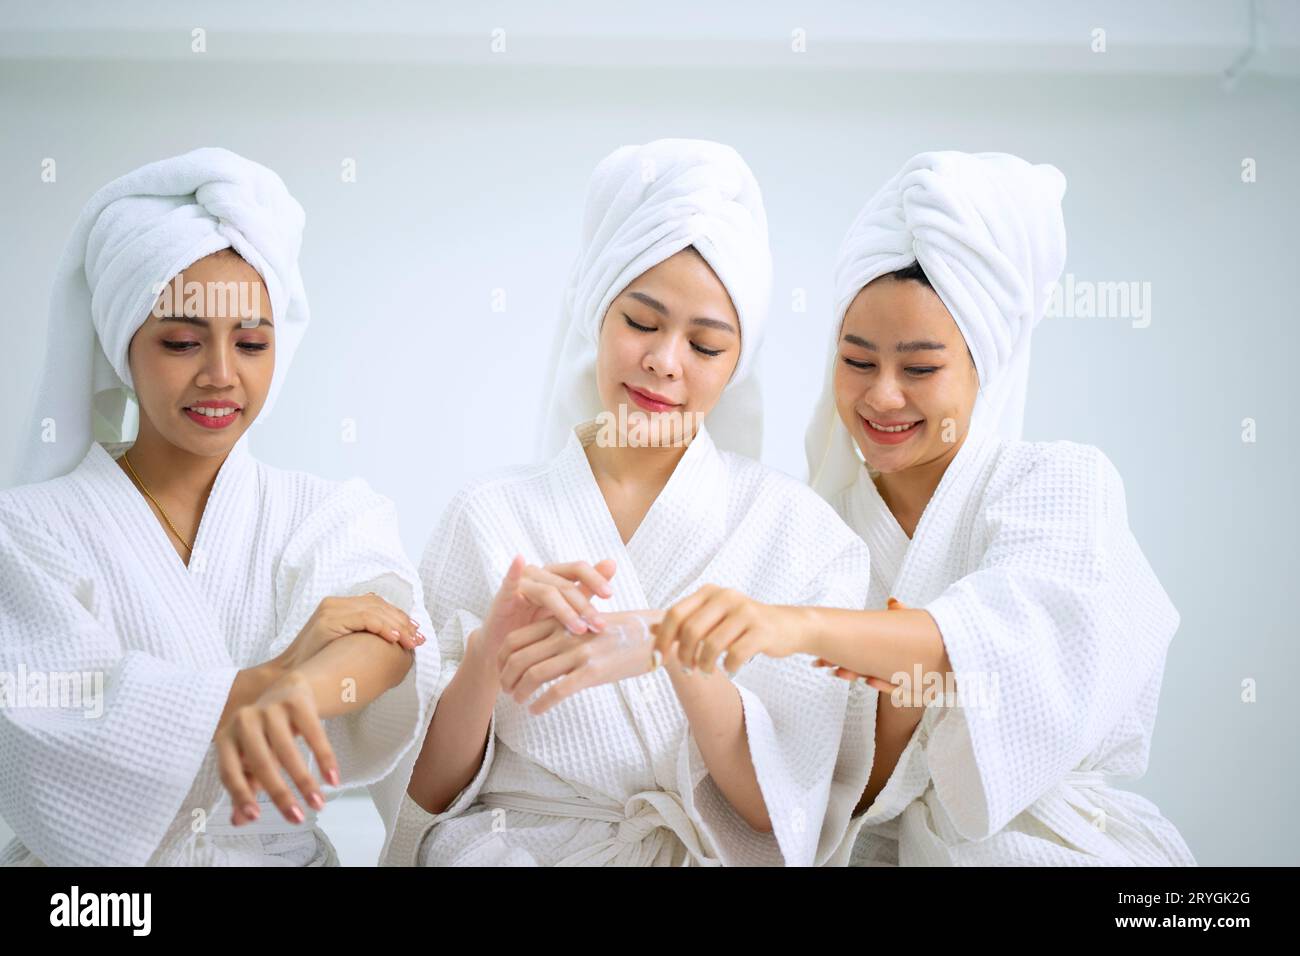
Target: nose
(661,359)
(884,394)
(218,367)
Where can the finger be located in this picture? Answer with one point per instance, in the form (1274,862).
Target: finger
(264,767)
(534,653)
(894,604)
(548,670)
(407,626)
(548,596)
(741,652)
(521,637)
(230,767)
(280,735)
(666,630)
(559,691)
(575,600)
(307,722)
(379,618)
(727,632)
(696,626)
(509,588)
(583,573)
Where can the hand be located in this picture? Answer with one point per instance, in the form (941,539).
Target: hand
(557,591)
(337,616)
(545,651)
(258,742)
(715,620)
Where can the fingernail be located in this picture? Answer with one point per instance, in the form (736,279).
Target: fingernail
(249,810)
(397,635)
(316,800)
(414,623)
(333,776)
(296,815)
(574,629)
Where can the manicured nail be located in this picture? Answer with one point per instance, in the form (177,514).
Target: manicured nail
(397,635)
(295,814)
(333,776)
(250,810)
(316,800)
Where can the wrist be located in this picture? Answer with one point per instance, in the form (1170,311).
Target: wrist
(268,672)
(809,625)
(479,658)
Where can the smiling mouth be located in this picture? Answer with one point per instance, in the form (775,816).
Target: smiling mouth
(892,429)
(220,411)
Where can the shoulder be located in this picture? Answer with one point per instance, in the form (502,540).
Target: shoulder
(1072,463)
(44,507)
(1059,477)
(302,495)
(790,505)
(499,488)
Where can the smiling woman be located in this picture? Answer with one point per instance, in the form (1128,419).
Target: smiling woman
(221,600)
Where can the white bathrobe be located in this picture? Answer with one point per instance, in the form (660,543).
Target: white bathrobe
(92,584)
(612,775)
(1025,560)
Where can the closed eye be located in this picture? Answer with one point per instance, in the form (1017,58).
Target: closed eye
(921,370)
(639,328)
(183,347)
(856,364)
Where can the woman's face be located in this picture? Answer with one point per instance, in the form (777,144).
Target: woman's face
(668,345)
(202,361)
(903,365)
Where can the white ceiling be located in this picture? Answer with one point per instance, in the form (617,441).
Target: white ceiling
(1156,36)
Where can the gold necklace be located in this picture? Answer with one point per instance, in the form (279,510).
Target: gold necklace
(188,547)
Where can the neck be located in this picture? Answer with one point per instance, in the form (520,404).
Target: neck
(907,492)
(172,472)
(628,465)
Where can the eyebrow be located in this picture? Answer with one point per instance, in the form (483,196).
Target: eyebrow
(663,310)
(917,346)
(205,324)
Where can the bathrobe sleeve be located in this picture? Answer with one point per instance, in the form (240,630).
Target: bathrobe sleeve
(810,743)
(459,581)
(1058,629)
(347,546)
(95,784)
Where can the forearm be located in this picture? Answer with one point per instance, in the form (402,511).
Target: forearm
(717,719)
(877,643)
(456,740)
(353,670)
(894,728)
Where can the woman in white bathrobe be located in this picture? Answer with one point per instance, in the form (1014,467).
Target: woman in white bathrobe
(618,761)
(178,619)
(1007,591)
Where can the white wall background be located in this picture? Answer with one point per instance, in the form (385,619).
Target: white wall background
(471,169)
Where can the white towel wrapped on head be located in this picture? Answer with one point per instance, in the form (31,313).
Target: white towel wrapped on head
(988,231)
(134,235)
(644,204)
